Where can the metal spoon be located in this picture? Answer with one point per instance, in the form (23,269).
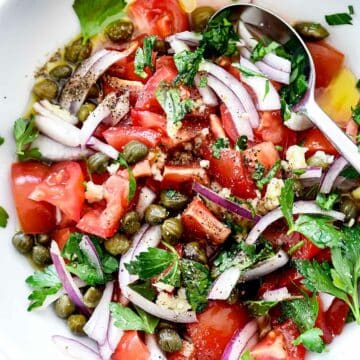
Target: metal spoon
(270,25)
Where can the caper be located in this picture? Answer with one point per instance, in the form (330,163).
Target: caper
(130,223)
(61,72)
(200,17)
(45,89)
(172,230)
(234,296)
(120,30)
(169,340)
(92,297)
(41,255)
(348,207)
(134,151)
(161,47)
(117,245)
(163,324)
(85,111)
(77,51)
(93,92)
(43,239)
(64,307)
(173,200)
(97,163)
(155,214)
(194,251)
(311,31)
(76,323)
(23,242)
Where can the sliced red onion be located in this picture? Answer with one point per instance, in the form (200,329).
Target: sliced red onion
(252,342)
(237,345)
(75,349)
(88,248)
(66,279)
(105,351)
(47,109)
(311,172)
(300,207)
(122,107)
(271,59)
(208,96)
(106,149)
(114,334)
(225,203)
(326,300)
(158,311)
(237,88)
(277,294)
(86,65)
(298,122)
(265,267)
(54,151)
(240,120)
(335,169)
(224,284)
(97,326)
(273,74)
(178,46)
(146,198)
(190,37)
(155,352)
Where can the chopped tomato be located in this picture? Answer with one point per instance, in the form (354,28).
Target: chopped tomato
(187,352)
(119,86)
(328,62)
(165,61)
(106,222)
(200,222)
(177,174)
(131,347)
(216,127)
(161,18)
(314,140)
(35,217)
(321,323)
(61,236)
(215,327)
(336,316)
(148,120)
(228,123)
(63,187)
(120,136)
(271,347)
(264,153)
(142,169)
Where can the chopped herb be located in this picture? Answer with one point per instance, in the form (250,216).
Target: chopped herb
(351,10)
(296,247)
(312,340)
(267,178)
(259,171)
(246,355)
(327,202)
(203,81)
(144,289)
(261,50)
(298,172)
(356,114)
(260,307)
(143,57)
(279,148)
(267,89)
(241,143)
(220,143)
(350,173)
(285,109)
(339,19)
(4,217)
(2,140)
(247,72)
(187,64)
(287,201)
(132,181)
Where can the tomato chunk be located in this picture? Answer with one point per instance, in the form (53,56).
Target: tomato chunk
(36,217)
(61,236)
(336,316)
(228,123)
(199,221)
(264,153)
(131,347)
(315,140)
(148,120)
(174,174)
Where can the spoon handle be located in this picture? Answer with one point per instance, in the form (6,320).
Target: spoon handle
(335,135)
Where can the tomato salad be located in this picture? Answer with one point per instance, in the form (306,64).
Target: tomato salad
(174,203)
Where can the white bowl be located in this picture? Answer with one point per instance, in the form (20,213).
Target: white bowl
(30,31)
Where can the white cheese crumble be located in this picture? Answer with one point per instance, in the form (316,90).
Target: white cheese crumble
(160,286)
(273,192)
(94,193)
(177,303)
(205,164)
(113,168)
(295,155)
(320,158)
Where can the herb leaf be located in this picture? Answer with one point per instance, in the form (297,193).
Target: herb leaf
(187,63)
(241,143)
(339,19)
(356,114)
(247,72)
(261,50)
(2,140)
(327,202)
(132,181)
(219,144)
(143,57)
(287,202)
(271,173)
(144,289)
(312,340)
(260,307)
(4,216)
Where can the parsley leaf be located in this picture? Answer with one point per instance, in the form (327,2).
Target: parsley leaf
(43,283)
(356,114)
(260,307)
(259,171)
(143,57)
(312,340)
(219,144)
(350,173)
(327,202)
(187,63)
(267,178)
(127,319)
(95,15)
(339,19)
(287,201)
(247,72)
(241,143)
(144,289)
(4,216)
(261,50)
(2,140)
(132,181)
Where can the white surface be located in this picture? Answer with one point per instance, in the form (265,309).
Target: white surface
(30,31)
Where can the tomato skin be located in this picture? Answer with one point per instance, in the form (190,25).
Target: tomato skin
(336,316)
(328,62)
(175,175)
(148,120)
(64,188)
(215,327)
(315,140)
(61,236)
(264,153)
(228,123)
(271,347)
(118,137)
(35,217)
(131,347)
(216,127)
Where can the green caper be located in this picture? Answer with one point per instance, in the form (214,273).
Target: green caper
(161,47)
(173,200)
(61,72)
(45,89)
(155,214)
(172,230)
(311,31)
(76,324)
(23,242)
(169,340)
(134,151)
(85,111)
(120,30)
(93,92)
(77,51)
(348,207)
(97,163)
(43,239)
(163,324)
(194,251)
(64,307)
(234,296)
(130,223)
(117,245)
(41,255)
(200,17)
(92,297)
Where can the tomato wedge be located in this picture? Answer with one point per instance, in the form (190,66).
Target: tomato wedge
(264,153)
(131,347)
(148,120)
(174,175)
(228,123)
(36,217)
(314,140)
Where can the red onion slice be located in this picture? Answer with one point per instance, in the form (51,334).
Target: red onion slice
(106,149)
(66,279)
(300,207)
(225,203)
(237,345)
(240,120)
(105,351)
(47,109)
(190,37)
(208,96)
(252,342)
(224,284)
(155,352)
(277,294)
(146,198)
(178,46)
(122,107)
(345,184)
(114,334)
(86,65)
(75,349)
(266,95)
(336,168)
(311,172)
(88,248)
